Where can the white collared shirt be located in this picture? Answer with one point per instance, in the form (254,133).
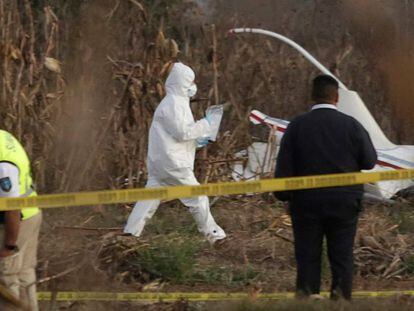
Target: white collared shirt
(321,106)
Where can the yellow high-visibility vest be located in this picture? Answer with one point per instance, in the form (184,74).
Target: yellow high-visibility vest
(12,151)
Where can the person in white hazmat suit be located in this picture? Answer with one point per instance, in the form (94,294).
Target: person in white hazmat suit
(173,139)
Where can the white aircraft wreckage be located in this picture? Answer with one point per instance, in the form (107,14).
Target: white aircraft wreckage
(262,156)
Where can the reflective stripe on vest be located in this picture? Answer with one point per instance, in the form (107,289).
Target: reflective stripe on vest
(12,151)
(28,193)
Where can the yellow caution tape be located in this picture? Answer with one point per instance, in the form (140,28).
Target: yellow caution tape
(145,296)
(214,189)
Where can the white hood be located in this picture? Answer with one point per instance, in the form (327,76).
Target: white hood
(179,80)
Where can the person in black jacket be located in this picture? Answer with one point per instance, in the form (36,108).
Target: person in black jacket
(324,141)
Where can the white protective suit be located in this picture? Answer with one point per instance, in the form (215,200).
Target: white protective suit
(171,153)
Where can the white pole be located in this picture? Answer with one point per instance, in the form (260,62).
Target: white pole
(293,44)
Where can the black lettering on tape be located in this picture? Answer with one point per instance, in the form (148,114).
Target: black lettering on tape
(214,189)
(114,196)
(200,190)
(389,175)
(147,194)
(240,188)
(122,196)
(60,200)
(292,184)
(309,182)
(107,197)
(15,203)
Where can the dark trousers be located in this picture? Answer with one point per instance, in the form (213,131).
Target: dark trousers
(336,219)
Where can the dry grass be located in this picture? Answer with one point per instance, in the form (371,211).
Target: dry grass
(383,250)
(171,255)
(80,82)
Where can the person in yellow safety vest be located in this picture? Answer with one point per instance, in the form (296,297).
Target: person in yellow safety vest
(19,229)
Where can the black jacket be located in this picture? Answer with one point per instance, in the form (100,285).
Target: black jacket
(324,141)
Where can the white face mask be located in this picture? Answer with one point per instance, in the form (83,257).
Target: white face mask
(192,90)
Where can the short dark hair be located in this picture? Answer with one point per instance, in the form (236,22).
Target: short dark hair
(325,87)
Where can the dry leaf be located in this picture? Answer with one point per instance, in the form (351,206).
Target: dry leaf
(139,5)
(51,15)
(160,89)
(53,64)
(15,53)
(51,95)
(371,242)
(174,50)
(166,68)
(160,41)
(154,285)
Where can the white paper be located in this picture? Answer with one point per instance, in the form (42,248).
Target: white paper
(215,114)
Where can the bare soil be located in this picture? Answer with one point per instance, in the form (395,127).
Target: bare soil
(87,252)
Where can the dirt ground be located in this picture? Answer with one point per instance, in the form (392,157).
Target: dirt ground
(171,256)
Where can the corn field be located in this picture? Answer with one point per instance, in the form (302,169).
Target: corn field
(81,79)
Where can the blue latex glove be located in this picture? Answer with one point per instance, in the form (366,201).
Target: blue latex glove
(208,118)
(203,141)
